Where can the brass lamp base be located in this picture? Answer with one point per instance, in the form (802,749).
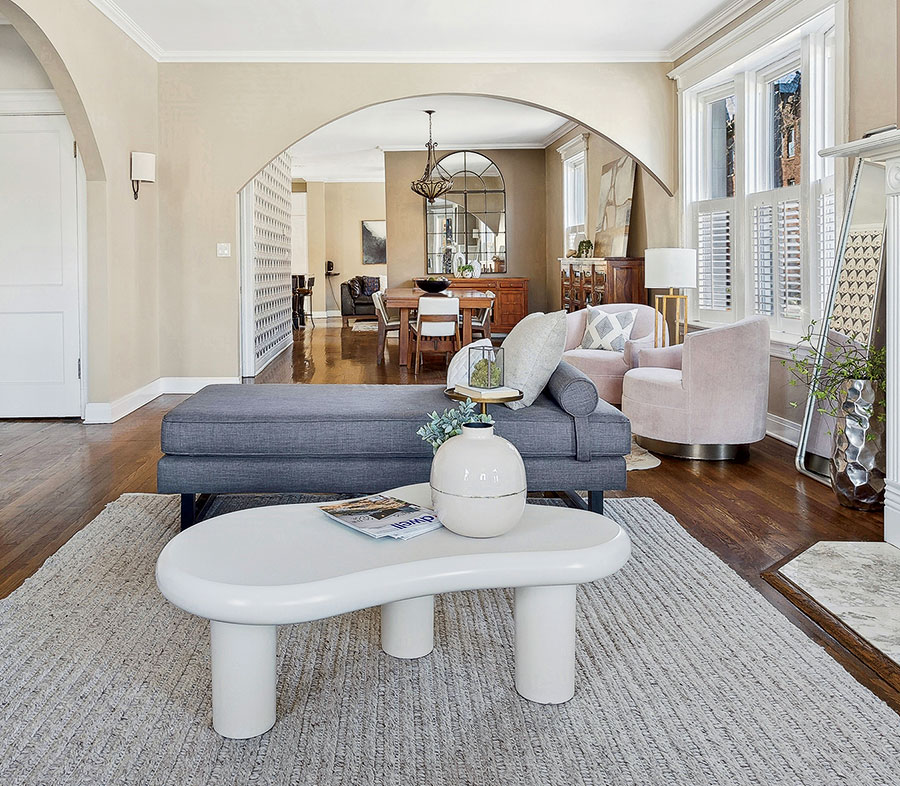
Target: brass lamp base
(662,309)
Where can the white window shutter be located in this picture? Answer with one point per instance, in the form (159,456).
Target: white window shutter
(763,251)
(790,259)
(826,239)
(714,260)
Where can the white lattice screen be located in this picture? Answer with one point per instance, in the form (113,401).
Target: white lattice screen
(270,199)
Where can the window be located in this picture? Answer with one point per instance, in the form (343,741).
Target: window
(574,163)
(759,202)
(714,222)
(575,206)
(784,111)
(721,147)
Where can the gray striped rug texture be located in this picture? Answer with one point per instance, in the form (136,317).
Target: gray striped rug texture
(685,675)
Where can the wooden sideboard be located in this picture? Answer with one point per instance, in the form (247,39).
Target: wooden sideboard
(586,282)
(510,298)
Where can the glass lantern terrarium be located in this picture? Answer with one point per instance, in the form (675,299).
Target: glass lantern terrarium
(486,367)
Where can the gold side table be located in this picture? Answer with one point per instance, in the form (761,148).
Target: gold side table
(452,394)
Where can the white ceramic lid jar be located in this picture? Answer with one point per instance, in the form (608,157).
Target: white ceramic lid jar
(478,485)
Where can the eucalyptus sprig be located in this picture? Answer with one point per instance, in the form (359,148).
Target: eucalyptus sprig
(831,365)
(450,422)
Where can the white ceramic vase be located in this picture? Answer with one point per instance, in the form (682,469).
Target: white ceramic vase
(478,485)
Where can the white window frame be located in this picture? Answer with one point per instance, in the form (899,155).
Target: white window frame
(701,187)
(574,153)
(785,34)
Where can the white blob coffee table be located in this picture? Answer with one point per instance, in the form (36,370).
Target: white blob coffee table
(252,570)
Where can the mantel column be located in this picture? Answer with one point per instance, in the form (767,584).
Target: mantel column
(892,301)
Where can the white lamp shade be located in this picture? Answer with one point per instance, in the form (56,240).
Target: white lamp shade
(670,267)
(143,167)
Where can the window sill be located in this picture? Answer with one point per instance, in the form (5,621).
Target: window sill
(780,342)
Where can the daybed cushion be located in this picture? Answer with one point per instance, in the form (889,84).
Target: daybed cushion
(574,392)
(363,421)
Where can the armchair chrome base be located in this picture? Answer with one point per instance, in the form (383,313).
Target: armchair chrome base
(696,452)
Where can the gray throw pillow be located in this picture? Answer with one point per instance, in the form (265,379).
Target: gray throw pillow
(531,353)
(608,331)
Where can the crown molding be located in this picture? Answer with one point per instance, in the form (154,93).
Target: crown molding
(709,26)
(565,128)
(347,180)
(4,20)
(367,56)
(128,26)
(447,147)
(777,20)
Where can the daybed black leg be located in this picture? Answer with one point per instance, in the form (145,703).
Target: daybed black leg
(595,501)
(188,511)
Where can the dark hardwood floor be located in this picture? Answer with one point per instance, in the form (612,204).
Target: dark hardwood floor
(56,475)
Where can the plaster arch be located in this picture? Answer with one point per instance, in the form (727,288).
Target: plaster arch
(656,175)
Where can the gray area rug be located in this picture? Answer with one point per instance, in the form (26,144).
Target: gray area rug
(685,676)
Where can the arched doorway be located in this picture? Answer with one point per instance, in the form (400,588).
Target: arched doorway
(517,128)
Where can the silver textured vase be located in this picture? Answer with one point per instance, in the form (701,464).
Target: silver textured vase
(858,459)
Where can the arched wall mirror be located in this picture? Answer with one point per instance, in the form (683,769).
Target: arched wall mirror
(853,312)
(467,225)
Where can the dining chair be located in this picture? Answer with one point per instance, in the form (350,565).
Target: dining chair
(437,318)
(481,322)
(386,323)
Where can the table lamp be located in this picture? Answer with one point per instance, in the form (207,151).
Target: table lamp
(670,268)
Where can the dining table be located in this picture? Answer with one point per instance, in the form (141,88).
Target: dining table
(406,299)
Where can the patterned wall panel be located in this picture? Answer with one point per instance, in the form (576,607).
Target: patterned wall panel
(857,290)
(272,259)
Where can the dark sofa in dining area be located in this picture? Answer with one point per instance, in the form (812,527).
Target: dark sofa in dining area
(356,298)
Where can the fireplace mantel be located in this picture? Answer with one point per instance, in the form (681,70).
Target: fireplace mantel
(885,148)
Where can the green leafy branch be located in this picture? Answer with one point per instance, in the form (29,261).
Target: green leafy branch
(450,422)
(824,367)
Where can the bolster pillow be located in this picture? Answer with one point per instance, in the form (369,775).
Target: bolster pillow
(573,390)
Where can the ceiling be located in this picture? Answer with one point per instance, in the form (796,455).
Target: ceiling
(417,31)
(351,148)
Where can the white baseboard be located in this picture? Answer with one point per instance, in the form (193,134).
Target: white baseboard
(326,314)
(782,429)
(103,412)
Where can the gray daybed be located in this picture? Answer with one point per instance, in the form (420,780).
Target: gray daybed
(362,439)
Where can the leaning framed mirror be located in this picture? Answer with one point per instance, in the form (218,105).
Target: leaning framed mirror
(852,307)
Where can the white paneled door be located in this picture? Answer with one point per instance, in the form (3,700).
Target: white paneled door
(39,287)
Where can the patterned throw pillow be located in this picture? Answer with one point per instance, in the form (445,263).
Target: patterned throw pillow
(370,284)
(608,331)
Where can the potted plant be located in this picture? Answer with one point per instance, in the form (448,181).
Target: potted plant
(847,382)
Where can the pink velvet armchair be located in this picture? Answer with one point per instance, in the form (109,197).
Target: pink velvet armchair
(605,368)
(704,399)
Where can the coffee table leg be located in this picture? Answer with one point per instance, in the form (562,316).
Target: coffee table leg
(243,679)
(407,627)
(545,643)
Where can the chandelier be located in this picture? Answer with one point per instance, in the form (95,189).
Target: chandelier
(431,185)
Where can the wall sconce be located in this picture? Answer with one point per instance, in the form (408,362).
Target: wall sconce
(143,170)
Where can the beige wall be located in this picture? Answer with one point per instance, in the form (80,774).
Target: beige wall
(19,68)
(108,88)
(346,206)
(873,33)
(213,141)
(523,175)
(654,214)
